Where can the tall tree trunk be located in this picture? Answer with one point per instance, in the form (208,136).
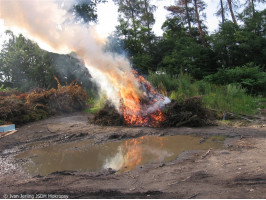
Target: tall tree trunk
(199,23)
(133,19)
(148,23)
(147,12)
(231,11)
(253,15)
(253,8)
(222,10)
(187,14)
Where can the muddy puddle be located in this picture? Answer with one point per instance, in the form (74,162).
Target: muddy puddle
(124,155)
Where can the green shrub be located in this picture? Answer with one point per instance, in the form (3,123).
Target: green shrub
(170,82)
(230,98)
(249,76)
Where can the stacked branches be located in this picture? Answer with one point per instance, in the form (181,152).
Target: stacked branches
(39,104)
(108,116)
(65,99)
(189,112)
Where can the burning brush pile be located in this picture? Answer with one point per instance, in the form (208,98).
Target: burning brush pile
(153,110)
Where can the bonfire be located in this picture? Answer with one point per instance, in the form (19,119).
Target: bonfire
(153,110)
(146,110)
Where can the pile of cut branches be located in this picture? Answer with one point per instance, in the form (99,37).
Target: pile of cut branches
(108,116)
(13,109)
(189,112)
(65,99)
(20,108)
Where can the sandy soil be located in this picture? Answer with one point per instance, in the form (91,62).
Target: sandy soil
(237,171)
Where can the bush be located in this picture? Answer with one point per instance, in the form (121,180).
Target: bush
(170,82)
(249,76)
(230,98)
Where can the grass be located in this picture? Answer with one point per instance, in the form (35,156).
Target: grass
(229,98)
(96,104)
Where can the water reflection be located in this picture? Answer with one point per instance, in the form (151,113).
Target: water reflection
(138,151)
(120,155)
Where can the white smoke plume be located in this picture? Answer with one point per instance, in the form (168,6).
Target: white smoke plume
(50,25)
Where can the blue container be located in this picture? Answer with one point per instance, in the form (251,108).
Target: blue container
(6,128)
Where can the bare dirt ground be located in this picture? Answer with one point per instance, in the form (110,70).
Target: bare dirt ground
(236,171)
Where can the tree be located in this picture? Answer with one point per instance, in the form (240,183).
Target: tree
(183,9)
(23,65)
(135,29)
(179,51)
(221,11)
(230,4)
(238,45)
(199,6)
(250,16)
(251,5)
(190,13)
(147,19)
(86,10)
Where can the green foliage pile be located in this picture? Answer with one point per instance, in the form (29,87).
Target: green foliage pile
(21,108)
(189,112)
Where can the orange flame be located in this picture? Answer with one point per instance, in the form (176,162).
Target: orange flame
(135,108)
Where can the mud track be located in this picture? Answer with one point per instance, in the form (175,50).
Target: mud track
(236,171)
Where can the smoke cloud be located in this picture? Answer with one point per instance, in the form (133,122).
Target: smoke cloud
(54,29)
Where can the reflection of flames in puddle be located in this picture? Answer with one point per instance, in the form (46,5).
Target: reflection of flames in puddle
(135,152)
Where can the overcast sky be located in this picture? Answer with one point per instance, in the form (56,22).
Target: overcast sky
(107,16)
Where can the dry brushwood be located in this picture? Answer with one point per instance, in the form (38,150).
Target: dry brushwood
(20,108)
(65,99)
(13,109)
